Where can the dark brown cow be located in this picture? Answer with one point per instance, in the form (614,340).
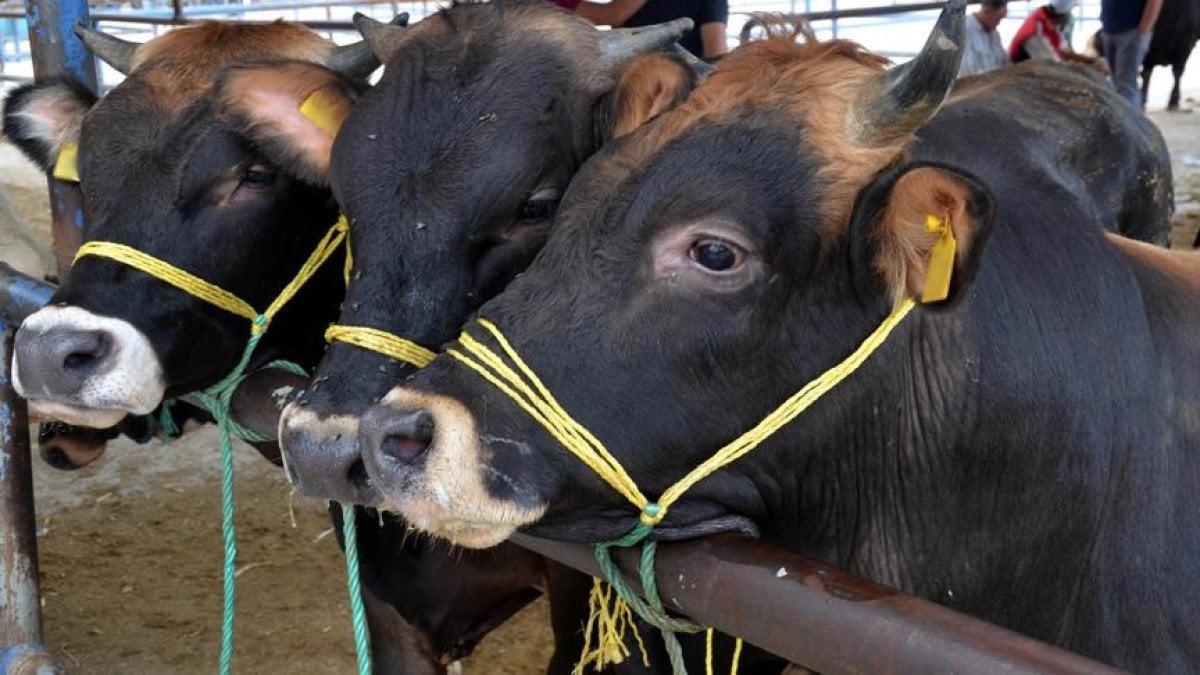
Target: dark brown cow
(1027,451)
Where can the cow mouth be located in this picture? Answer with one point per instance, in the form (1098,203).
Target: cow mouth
(468,530)
(96,418)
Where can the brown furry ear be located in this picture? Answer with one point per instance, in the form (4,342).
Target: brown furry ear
(909,246)
(40,118)
(648,86)
(290,111)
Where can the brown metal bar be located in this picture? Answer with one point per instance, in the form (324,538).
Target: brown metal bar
(853,13)
(820,617)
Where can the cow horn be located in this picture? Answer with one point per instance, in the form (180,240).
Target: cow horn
(382,38)
(114,51)
(897,102)
(700,68)
(359,60)
(621,44)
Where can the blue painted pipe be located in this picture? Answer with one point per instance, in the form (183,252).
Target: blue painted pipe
(21,295)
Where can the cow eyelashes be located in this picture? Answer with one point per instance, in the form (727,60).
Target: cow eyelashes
(257,177)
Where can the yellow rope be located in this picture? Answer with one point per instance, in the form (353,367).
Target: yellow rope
(209,292)
(383,342)
(609,616)
(528,391)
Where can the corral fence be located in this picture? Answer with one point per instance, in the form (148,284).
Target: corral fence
(801,609)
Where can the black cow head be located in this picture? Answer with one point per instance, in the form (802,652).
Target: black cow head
(184,160)
(701,271)
(450,170)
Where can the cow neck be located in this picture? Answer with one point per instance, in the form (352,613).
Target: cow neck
(520,383)
(217,398)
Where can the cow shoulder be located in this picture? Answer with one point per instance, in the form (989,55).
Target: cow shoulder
(39,118)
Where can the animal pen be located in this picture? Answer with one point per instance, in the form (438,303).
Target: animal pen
(800,609)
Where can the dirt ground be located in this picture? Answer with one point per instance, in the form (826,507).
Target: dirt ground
(130,547)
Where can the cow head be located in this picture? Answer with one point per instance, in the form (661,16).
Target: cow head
(187,160)
(701,271)
(450,170)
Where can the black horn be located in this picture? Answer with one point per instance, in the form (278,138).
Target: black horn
(114,51)
(700,68)
(359,60)
(897,102)
(621,44)
(382,38)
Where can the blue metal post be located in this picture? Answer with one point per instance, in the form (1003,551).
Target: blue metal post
(58,52)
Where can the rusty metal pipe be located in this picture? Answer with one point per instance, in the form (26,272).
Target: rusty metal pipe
(820,617)
(20,599)
(58,52)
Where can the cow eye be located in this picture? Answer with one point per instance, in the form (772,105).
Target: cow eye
(716,255)
(540,205)
(258,176)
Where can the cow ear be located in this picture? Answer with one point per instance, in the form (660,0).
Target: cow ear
(921,228)
(44,117)
(647,86)
(291,112)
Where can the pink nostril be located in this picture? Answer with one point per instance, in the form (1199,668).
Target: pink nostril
(84,349)
(404,448)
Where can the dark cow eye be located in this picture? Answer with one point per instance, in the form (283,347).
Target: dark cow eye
(257,176)
(715,255)
(540,205)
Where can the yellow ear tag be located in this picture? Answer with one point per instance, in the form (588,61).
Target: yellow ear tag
(941,259)
(66,167)
(326,110)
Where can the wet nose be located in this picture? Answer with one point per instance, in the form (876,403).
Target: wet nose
(395,439)
(57,362)
(322,457)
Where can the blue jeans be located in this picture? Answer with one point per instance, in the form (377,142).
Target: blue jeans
(1125,51)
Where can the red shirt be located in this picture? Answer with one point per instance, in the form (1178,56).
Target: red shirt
(566,4)
(1040,21)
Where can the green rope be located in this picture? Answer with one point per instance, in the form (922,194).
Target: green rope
(167,429)
(218,399)
(362,644)
(651,610)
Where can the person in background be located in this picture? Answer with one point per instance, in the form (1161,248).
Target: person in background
(614,13)
(1046,24)
(706,39)
(1126,26)
(983,50)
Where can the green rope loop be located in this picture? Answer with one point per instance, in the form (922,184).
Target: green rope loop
(650,610)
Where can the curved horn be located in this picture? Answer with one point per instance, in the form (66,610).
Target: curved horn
(897,102)
(359,60)
(114,51)
(700,68)
(381,38)
(621,44)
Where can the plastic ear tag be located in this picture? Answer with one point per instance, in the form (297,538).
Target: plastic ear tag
(941,259)
(66,167)
(324,109)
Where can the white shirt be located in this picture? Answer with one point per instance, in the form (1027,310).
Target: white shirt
(983,51)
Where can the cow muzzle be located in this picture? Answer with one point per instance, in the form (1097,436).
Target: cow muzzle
(425,456)
(321,457)
(85,369)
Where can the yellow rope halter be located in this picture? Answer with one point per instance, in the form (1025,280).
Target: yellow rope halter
(211,293)
(383,342)
(610,616)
